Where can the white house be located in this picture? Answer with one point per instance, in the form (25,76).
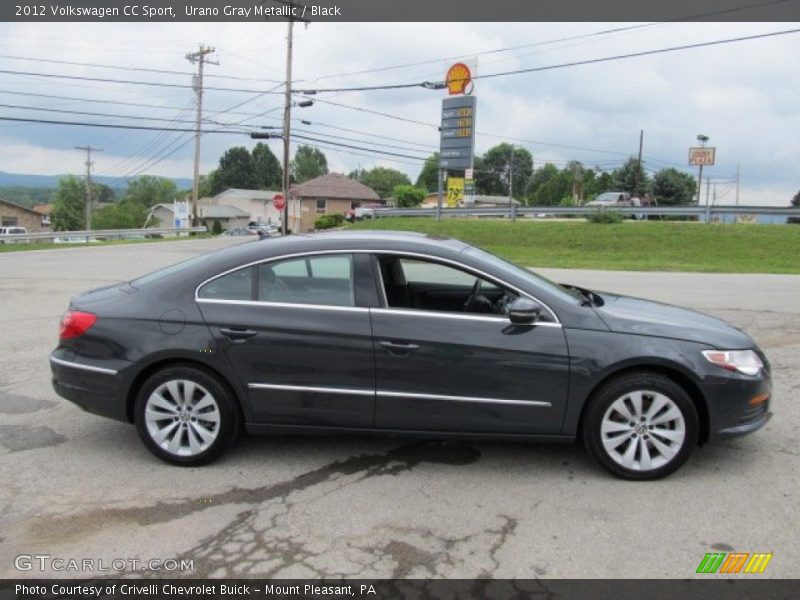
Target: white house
(256,203)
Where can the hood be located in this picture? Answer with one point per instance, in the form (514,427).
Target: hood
(624,314)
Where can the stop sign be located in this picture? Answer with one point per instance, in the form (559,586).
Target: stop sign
(279,202)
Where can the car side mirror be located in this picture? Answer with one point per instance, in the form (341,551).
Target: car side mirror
(523,311)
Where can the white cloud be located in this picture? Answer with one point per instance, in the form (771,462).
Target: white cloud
(742,95)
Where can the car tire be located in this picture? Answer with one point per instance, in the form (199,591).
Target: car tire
(186,416)
(640,426)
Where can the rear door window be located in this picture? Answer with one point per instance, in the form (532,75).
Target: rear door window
(320,280)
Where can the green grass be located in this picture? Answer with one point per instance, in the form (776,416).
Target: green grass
(17,247)
(629,246)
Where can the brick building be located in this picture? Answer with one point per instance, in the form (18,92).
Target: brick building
(15,215)
(326,195)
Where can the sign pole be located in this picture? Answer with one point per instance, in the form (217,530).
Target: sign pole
(439,196)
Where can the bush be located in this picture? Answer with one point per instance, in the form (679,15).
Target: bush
(325,222)
(604,216)
(216,228)
(338,219)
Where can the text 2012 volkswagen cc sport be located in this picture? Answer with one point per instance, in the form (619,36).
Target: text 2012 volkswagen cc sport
(402,333)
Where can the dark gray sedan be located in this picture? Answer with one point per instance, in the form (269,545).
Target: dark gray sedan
(401,333)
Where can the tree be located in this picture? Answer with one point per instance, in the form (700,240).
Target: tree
(268,168)
(493,171)
(408,196)
(69,205)
(126,214)
(429,176)
(632,178)
(206,184)
(308,163)
(237,169)
(383,180)
(671,187)
(148,190)
(795,202)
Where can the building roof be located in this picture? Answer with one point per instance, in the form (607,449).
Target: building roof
(247,194)
(43,209)
(223,212)
(19,206)
(164,206)
(335,185)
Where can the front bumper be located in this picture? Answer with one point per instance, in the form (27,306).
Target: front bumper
(95,386)
(729,402)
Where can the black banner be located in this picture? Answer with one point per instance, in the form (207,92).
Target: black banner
(400,11)
(406,589)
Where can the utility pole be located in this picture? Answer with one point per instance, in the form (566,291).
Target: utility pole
(88,201)
(639,162)
(738,179)
(287,114)
(198,57)
(511,186)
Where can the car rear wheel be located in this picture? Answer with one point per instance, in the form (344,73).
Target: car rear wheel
(641,425)
(186,416)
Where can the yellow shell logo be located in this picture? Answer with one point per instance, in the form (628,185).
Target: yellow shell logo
(459,79)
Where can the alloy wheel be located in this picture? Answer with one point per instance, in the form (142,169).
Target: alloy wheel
(182,417)
(643,430)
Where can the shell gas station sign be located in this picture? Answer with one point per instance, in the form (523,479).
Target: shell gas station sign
(457,141)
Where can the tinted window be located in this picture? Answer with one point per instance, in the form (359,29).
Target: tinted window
(233,286)
(308,280)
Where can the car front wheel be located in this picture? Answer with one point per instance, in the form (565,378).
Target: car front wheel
(641,426)
(186,416)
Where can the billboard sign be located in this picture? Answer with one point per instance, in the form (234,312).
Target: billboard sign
(455,191)
(180,212)
(702,156)
(457,140)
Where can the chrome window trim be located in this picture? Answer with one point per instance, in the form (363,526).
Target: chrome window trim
(74,365)
(360,309)
(270,259)
(454,315)
(311,388)
(390,394)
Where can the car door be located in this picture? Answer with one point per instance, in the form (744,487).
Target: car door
(293,333)
(447,370)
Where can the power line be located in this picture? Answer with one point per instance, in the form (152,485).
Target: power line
(114,126)
(125,68)
(127,81)
(93,114)
(441,84)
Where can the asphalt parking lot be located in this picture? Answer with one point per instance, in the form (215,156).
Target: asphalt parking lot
(79,486)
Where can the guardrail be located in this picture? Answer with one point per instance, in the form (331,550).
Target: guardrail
(78,237)
(517,211)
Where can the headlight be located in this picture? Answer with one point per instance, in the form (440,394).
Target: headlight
(746,362)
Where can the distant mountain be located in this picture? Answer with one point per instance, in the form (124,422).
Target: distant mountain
(51,181)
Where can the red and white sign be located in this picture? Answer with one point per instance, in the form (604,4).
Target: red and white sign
(279,202)
(702,156)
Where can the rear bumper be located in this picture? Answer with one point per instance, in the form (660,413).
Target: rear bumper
(95,386)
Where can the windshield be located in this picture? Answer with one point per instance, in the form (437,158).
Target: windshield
(502,265)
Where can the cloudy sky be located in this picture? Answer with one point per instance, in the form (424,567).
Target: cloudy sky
(744,96)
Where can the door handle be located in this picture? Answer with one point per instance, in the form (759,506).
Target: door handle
(238,334)
(398,349)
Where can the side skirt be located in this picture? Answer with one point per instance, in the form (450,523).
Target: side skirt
(268,429)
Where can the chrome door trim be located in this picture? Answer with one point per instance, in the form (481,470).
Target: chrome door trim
(270,259)
(310,388)
(360,309)
(538,403)
(390,394)
(74,365)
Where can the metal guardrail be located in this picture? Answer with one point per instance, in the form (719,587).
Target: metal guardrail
(518,211)
(77,237)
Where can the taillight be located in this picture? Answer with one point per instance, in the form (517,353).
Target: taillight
(75,324)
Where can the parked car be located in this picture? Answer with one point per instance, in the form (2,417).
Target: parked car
(618,199)
(7,235)
(240,231)
(359,213)
(400,333)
